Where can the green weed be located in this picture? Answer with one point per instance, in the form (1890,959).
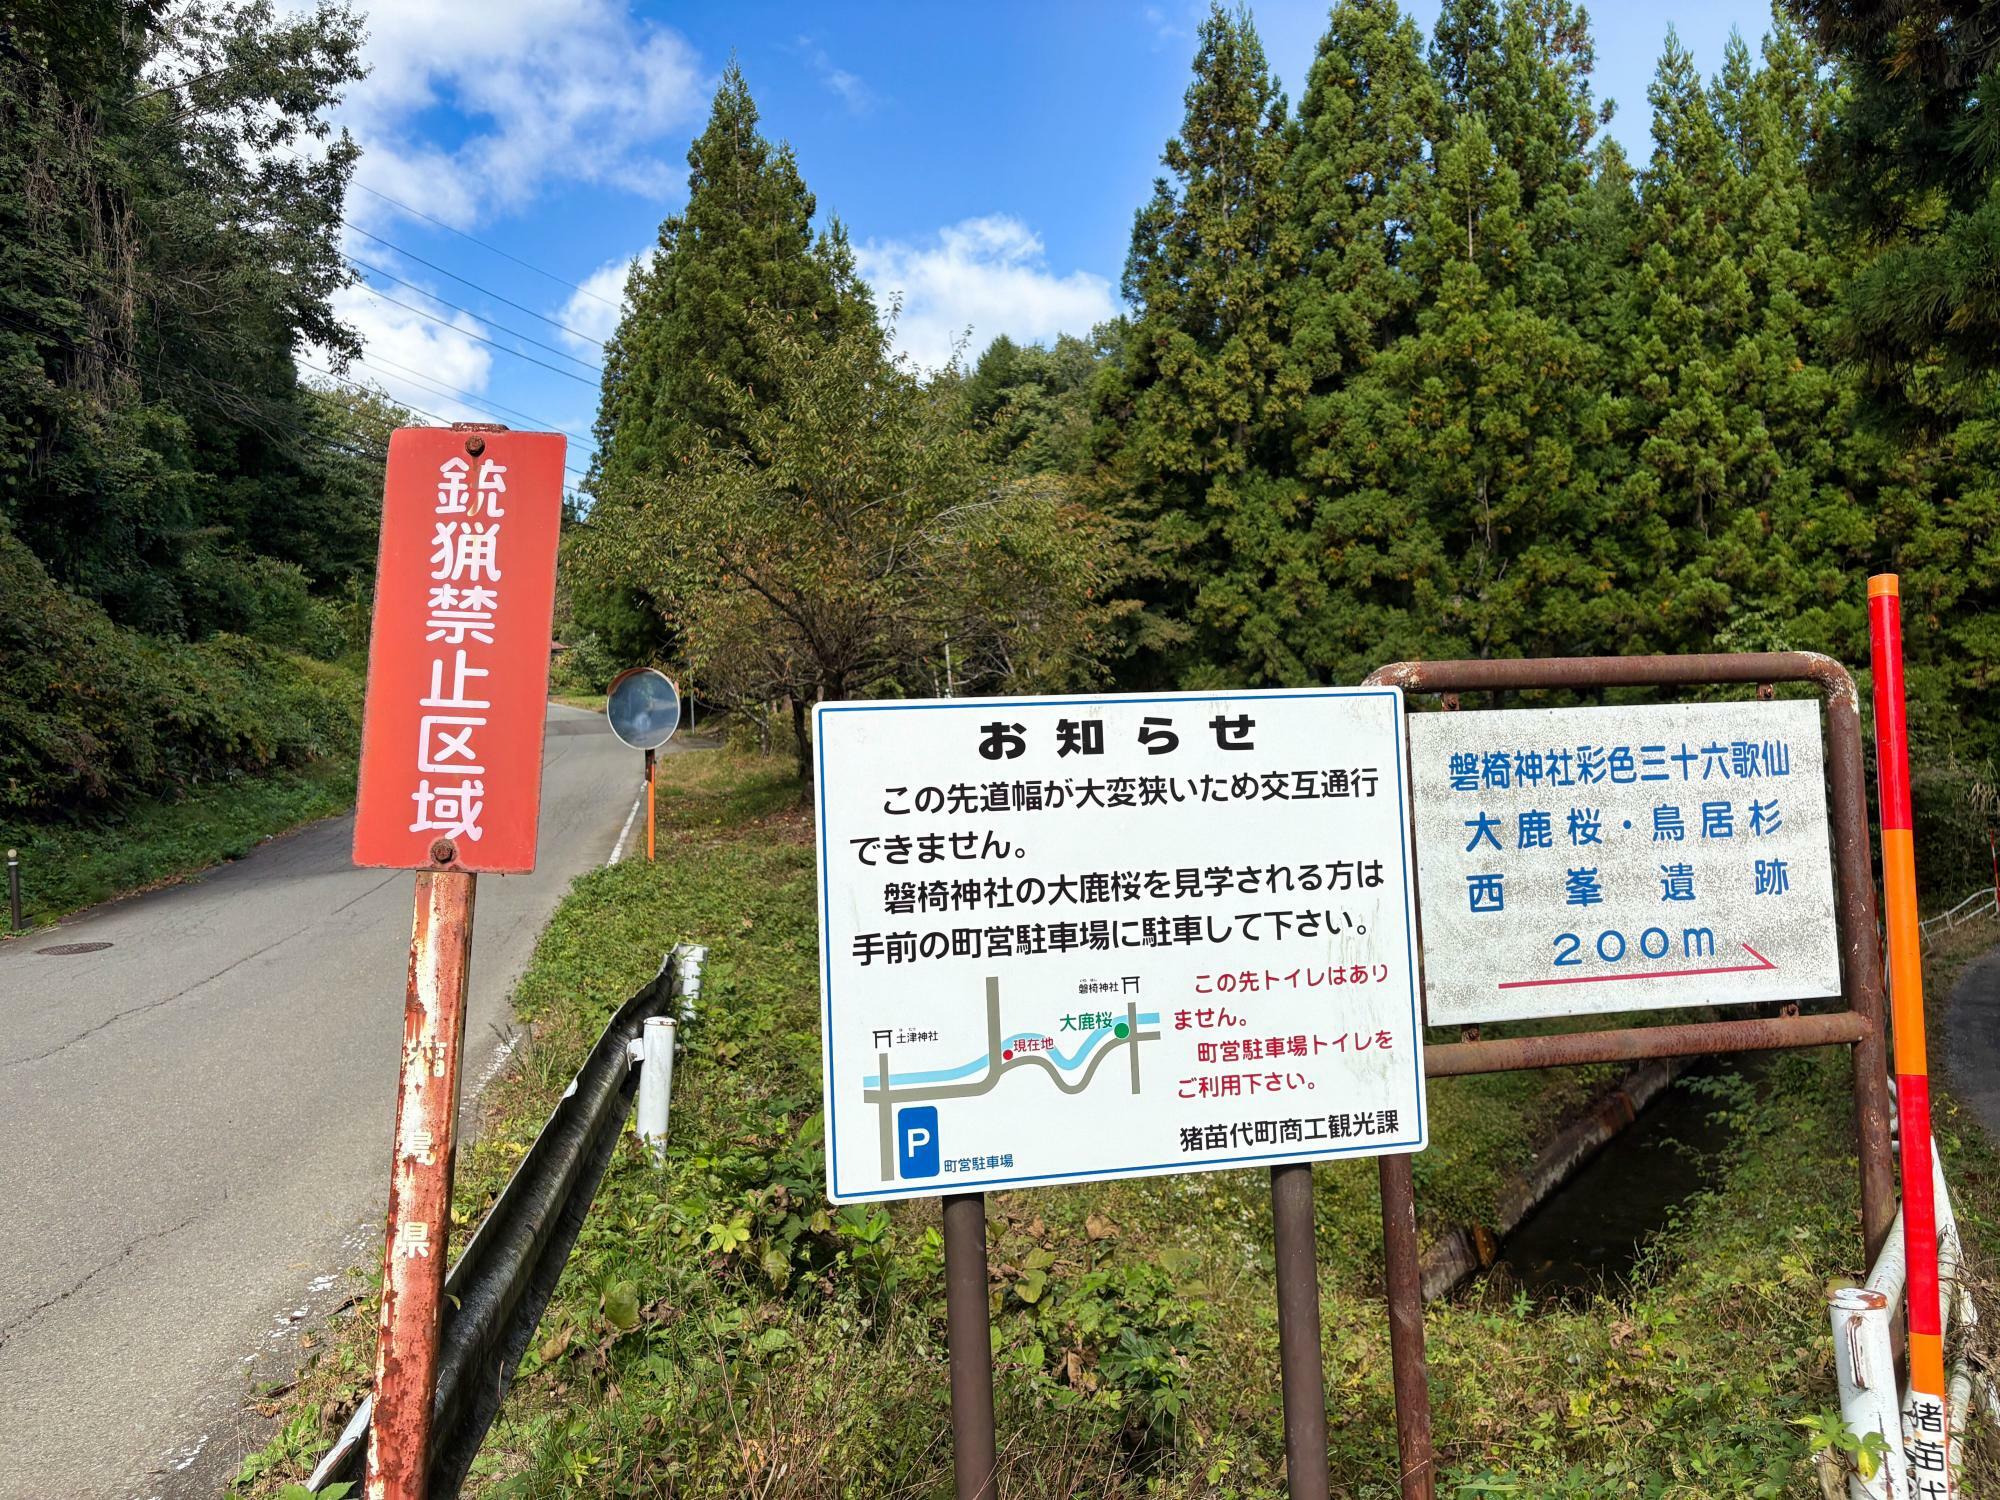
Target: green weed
(721,1330)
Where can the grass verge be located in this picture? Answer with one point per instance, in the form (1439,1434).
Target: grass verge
(66,867)
(720,1331)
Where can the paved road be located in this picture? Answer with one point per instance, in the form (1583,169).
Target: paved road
(1973,1025)
(194,1131)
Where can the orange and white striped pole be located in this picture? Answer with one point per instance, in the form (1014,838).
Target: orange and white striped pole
(1926,1404)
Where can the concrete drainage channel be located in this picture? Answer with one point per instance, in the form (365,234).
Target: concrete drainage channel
(1537,1223)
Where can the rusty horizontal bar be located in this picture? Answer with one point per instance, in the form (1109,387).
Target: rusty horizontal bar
(1501,674)
(1569,1049)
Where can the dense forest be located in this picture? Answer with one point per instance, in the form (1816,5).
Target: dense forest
(1419,365)
(1423,367)
(187,529)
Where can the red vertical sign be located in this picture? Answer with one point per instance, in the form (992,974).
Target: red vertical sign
(458,664)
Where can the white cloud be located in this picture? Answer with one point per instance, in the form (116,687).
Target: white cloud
(394,337)
(852,89)
(1164,30)
(577,92)
(989,275)
(594,308)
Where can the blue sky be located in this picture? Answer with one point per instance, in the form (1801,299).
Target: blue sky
(987,160)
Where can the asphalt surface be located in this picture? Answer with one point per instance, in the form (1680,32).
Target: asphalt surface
(195,1124)
(1973,1026)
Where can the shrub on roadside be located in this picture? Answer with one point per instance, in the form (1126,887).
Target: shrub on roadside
(92,713)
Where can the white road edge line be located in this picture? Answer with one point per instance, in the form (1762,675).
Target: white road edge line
(624,833)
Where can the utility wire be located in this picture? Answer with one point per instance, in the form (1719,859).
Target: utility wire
(442,302)
(495,249)
(55,336)
(444,323)
(477,403)
(406,405)
(429,219)
(467,281)
(374,361)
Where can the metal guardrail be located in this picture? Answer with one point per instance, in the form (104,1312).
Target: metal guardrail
(497,1291)
(1984,902)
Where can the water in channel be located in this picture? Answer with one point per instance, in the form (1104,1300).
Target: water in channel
(1587,1236)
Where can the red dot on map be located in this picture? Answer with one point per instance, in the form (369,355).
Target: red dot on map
(1008,1055)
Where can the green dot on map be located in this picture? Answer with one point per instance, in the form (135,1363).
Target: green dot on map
(1119,1029)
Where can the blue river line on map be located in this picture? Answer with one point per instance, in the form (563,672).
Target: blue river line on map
(946,1075)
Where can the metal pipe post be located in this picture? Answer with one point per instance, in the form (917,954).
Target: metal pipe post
(651,760)
(1405,1287)
(1866,1372)
(656,1084)
(974,1455)
(14,886)
(1302,1375)
(1861,959)
(419,1228)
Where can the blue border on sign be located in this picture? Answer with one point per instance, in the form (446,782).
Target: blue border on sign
(1107,1174)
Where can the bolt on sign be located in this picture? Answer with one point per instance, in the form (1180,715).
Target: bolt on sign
(458,664)
(1588,860)
(1066,939)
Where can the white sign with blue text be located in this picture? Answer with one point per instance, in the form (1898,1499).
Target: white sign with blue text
(1580,861)
(1067,939)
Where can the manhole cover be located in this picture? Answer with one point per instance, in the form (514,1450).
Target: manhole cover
(65,950)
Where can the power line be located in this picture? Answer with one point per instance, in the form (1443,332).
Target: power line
(408,406)
(528,265)
(442,302)
(478,402)
(449,229)
(55,336)
(441,421)
(446,388)
(443,323)
(487,291)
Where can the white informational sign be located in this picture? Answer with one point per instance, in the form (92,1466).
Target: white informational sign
(1076,938)
(1578,861)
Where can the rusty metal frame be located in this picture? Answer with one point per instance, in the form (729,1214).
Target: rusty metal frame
(1859,1025)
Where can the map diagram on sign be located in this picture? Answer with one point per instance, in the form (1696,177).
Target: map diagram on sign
(1070,1071)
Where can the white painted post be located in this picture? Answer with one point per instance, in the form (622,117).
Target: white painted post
(656,1083)
(1869,1399)
(692,958)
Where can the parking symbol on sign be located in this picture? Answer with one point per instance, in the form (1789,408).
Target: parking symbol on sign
(917,1140)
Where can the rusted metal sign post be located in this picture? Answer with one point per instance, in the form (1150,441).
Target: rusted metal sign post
(450,786)
(1858,1024)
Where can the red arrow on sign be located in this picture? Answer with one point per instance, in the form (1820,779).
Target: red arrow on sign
(1758,967)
